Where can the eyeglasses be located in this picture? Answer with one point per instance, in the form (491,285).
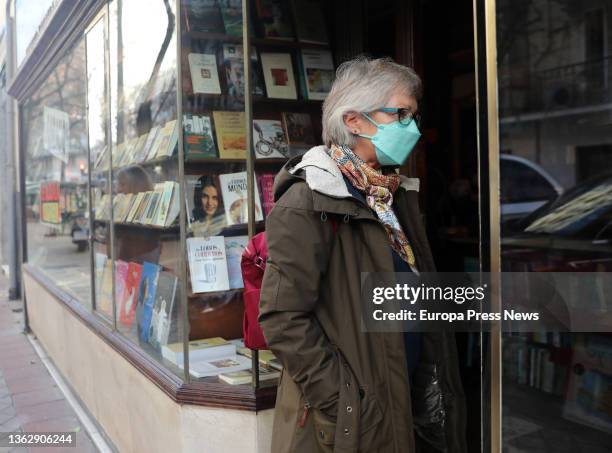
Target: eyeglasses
(404,116)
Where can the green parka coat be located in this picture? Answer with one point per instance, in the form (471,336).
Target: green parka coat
(342,389)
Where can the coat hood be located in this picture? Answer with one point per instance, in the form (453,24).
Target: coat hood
(322,175)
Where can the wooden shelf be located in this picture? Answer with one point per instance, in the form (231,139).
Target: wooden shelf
(172,228)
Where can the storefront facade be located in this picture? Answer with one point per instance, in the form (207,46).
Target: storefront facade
(138,195)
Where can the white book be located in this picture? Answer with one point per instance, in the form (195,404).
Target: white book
(235,200)
(175,207)
(234,246)
(207,264)
(278,75)
(164,203)
(204,73)
(230,364)
(318,67)
(204,349)
(269,139)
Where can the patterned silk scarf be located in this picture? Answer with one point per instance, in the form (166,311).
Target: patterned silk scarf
(378,190)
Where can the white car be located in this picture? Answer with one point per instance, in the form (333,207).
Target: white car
(524,187)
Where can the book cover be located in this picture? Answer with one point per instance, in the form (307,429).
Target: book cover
(121,274)
(167,140)
(234,71)
(199,142)
(205,368)
(266,185)
(207,264)
(246,376)
(299,132)
(127,306)
(151,209)
(274,19)
(148,150)
(175,207)
(204,349)
(266,357)
(234,246)
(269,139)
(105,303)
(203,16)
(100,265)
(137,153)
(164,204)
(146,298)
(135,207)
(161,318)
(204,74)
(231,12)
(144,206)
(235,201)
(231,134)
(278,75)
(318,67)
(311,26)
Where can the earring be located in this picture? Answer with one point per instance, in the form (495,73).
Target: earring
(355,131)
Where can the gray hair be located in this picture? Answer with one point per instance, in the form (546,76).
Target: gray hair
(363,85)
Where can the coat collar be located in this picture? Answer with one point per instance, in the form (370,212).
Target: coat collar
(324,178)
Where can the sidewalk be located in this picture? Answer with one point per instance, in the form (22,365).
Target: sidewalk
(30,401)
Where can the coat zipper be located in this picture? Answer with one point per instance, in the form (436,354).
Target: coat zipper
(302,420)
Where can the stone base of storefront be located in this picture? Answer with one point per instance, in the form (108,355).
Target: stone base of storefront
(133,411)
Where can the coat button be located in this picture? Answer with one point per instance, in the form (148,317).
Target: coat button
(346,431)
(349,409)
(322,434)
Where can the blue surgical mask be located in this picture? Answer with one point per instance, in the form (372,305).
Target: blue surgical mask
(393,141)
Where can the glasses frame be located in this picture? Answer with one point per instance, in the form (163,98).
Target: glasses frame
(404,115)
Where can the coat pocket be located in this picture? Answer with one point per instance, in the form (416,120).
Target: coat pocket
(325,430)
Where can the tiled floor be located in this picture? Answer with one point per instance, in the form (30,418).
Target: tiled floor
(30,401)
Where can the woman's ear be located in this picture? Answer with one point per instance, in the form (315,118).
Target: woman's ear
(352,120)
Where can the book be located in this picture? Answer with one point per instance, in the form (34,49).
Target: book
(204,74)
(205,368)
(121,273)
(235,201)
(278,75)
(167,140)
(203,16)
(191,181)
(274,19)
(175,207)
(135,207)
(164,203)
(269,139)
(204,349)
(234,246)
(231,134)
(142,208)
(161,318)
(266,357)
(233,62)
(105,302)
(318,67)
(299,132)
(246,376)
(231,12)
(127,305)
(148,151)
(151,213)
(198,136)
(266,185)
(207,264)
(146,299)
(311,26)
(138,152)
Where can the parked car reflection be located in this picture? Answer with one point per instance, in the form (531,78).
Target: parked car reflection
(571,233)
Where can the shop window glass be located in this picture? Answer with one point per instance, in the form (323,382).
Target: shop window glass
(54,131)
(554,101)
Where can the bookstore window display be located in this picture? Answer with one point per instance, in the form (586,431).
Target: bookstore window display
(54,144)
(175,191)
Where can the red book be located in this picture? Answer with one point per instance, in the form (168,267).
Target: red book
(266,184)
(127,305)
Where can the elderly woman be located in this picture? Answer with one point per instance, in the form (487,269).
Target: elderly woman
(342,210)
